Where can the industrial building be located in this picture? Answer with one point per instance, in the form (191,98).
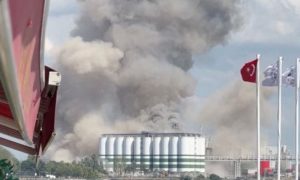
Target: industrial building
(149,152)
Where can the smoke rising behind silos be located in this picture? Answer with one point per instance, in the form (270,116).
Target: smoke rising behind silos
(125,69)
(231,115)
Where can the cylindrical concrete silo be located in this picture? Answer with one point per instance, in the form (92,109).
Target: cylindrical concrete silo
(186,153)
(164,153)
(137,152)
(102,151)
(146,152)
(200,154)
(119,151)
(110,146)
(156,152)
(128,150)
(173,151)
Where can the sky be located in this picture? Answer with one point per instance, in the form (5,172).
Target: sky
(269,28)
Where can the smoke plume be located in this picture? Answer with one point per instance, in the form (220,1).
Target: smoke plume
(125,69)
(231,115)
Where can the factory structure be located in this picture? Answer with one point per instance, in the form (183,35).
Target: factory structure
(148,153)
(153,152)
(269,163)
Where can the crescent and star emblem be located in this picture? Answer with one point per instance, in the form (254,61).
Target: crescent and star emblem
(251,70)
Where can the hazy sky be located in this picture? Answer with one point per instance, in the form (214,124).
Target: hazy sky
(270,28)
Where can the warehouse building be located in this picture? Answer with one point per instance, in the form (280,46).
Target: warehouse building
(148,152)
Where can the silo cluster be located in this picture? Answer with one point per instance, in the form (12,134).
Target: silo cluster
(170,152)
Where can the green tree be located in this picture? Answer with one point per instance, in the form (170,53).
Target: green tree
(28,166)
(5,154)
(87,168)
(200,177)
(41,168)
(92,162)
(6,170)
(214,177)
(185,177)
(82,169)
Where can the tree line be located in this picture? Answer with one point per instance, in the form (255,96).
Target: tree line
(88,167)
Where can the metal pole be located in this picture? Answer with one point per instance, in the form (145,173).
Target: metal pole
(258,115)
(297,119)
(279,116)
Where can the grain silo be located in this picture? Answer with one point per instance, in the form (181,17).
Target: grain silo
(164,153)
(146,153)
(169,152)
(156,152)
(110,153)
(200,159)
(137,152)
(128,150)
(186,153)
(173,154)
(118,150)
(102,150)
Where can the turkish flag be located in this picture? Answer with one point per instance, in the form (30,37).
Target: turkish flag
(248,71)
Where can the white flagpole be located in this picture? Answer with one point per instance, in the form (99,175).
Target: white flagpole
(258,114)
(297,118)
(279,116)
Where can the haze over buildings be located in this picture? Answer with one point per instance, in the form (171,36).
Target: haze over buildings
(126,70)
(147,75)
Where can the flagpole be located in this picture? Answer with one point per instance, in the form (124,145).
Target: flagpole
(297,118)
(279,116)
(258,114)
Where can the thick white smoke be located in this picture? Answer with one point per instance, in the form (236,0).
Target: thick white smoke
(125,70)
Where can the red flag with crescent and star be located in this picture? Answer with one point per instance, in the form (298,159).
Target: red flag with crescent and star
(248,71)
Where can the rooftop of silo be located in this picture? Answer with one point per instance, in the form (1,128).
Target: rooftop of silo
(146,133)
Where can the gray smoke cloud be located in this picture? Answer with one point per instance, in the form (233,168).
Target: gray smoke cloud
(229,118)
(125,69)
(230,114)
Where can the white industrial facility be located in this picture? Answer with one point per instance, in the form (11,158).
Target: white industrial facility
(169,152)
